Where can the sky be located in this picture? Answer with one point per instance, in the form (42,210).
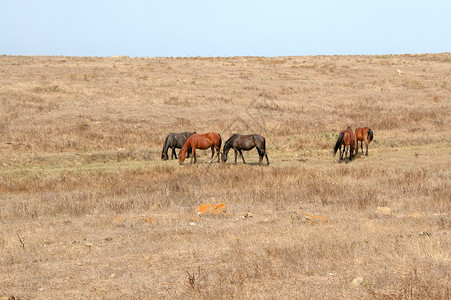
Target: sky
(174,28)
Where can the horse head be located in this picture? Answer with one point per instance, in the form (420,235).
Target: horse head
(164,156)
(223,156)
(182,156)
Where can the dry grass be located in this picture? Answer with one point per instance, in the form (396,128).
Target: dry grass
(80,175)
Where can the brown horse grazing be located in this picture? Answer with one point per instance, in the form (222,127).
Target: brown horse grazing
(239,142)
(363,135)
(175,141)
(201,141)
(347,139)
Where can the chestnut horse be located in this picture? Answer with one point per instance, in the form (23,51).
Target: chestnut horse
(201,141)
(239,142)
(363,135)
(175,141)
(347,139)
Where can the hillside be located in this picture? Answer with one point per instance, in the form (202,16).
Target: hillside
(89,210)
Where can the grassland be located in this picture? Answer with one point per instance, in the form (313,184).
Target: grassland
(88,209)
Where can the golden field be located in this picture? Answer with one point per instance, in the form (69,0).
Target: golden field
(89,210)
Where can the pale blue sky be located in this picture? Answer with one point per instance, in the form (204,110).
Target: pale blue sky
(223,28)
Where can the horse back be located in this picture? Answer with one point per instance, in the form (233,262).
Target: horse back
(170,139)
(361,133)
(176,140)
(248,142)
(348,136)
(215,137)
(203,141)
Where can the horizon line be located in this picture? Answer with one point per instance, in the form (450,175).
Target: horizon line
(224,56)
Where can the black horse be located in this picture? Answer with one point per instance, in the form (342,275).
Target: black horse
(175,141)
(239,142)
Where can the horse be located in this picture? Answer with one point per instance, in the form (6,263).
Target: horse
(201,141)
(363,135)
(239,142)
(174,141)
(347,139)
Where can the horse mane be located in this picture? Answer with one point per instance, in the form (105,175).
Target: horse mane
(185,146)
(226,144)
(166,142)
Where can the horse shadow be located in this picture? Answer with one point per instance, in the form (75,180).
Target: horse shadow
(344,160)
(253,164)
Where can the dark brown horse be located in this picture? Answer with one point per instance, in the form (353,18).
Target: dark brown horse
(347,139)
(363,135)
(174,141)
(201,141)
(239,142)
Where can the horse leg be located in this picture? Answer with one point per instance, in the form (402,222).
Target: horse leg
(260,156)
(236,154)
(346,153)
(342,152)
(193,156)
(241,154)
(174,153)
(212,154)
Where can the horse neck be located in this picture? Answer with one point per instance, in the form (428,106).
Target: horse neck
(228,144)
(186,145)
(166,144)
(227,148)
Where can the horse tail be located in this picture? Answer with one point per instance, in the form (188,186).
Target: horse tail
(370,134)
(339,142)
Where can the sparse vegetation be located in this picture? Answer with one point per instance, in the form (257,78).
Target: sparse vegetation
(88,209)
